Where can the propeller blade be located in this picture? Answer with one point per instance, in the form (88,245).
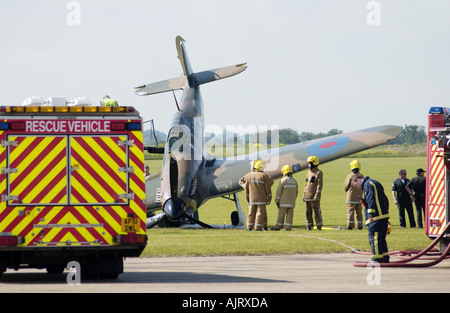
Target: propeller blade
(155,220)
(187,216)
(173,172)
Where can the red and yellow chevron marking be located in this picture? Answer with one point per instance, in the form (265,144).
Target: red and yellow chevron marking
(71,186)
(41,169)
(436,189)
(2,165)
(95,161)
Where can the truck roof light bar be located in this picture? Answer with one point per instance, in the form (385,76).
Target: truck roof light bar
(65,109)
(438,110)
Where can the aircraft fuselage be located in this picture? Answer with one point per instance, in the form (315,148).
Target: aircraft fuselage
(184,151)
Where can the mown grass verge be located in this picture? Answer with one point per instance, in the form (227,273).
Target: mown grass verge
(202,242)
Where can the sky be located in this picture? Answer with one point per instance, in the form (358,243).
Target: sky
(312,65)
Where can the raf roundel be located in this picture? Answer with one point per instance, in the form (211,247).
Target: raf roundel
(328,147)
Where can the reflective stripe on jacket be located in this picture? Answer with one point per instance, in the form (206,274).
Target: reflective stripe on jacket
(287,192)
(377,202)
(258,187)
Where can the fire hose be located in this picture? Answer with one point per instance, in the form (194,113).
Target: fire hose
(403,254)
(404,262)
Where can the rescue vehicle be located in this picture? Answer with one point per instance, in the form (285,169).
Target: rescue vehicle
(72,187)
(437,199)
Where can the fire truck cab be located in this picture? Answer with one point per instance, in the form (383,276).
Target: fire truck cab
(72,187)
(437,201)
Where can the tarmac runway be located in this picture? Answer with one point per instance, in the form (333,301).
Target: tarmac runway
(242,274)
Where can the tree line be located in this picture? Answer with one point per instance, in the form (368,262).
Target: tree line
(411,134)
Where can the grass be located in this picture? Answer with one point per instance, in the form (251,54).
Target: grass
(200,242)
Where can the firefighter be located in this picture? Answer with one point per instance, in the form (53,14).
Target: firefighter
(312,193)
(107,101)
(285,199)
(377,216)
(257,185)
(354,196)
(402,198)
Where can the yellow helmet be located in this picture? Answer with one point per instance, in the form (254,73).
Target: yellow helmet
(252,163)
(259,165)
(355,164)
(313,159)
(286,169)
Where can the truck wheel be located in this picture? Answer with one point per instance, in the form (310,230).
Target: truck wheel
(2,267)
(55,269)
(110,275)
(104,268)
(443,244)
(113,267)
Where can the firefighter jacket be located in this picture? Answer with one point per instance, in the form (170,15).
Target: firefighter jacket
(354,195)
(377,202)
(257,186)
(313,185)
(287,192)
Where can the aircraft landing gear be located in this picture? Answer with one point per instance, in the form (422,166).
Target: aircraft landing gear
(238,216)
(234,218)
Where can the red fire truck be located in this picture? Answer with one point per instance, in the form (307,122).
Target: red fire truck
(72,187)
(437,201)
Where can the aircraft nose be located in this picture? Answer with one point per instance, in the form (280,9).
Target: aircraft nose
(174,208)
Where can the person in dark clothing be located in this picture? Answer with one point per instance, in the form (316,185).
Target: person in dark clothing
(376,212)
(417,186)
(402,198)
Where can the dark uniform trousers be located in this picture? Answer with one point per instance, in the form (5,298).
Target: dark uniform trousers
(403,204)
(377,209)
(419,200)
(377,240)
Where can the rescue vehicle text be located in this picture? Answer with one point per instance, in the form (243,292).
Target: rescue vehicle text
(64,126)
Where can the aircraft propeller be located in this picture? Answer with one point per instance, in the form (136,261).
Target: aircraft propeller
(174,208)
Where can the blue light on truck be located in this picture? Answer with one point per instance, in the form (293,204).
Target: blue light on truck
(436,110)
(133,126)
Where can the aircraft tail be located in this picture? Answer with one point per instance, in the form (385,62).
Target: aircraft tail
(183,57)
(189,79)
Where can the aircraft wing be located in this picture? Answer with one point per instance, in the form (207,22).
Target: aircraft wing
(221,177)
